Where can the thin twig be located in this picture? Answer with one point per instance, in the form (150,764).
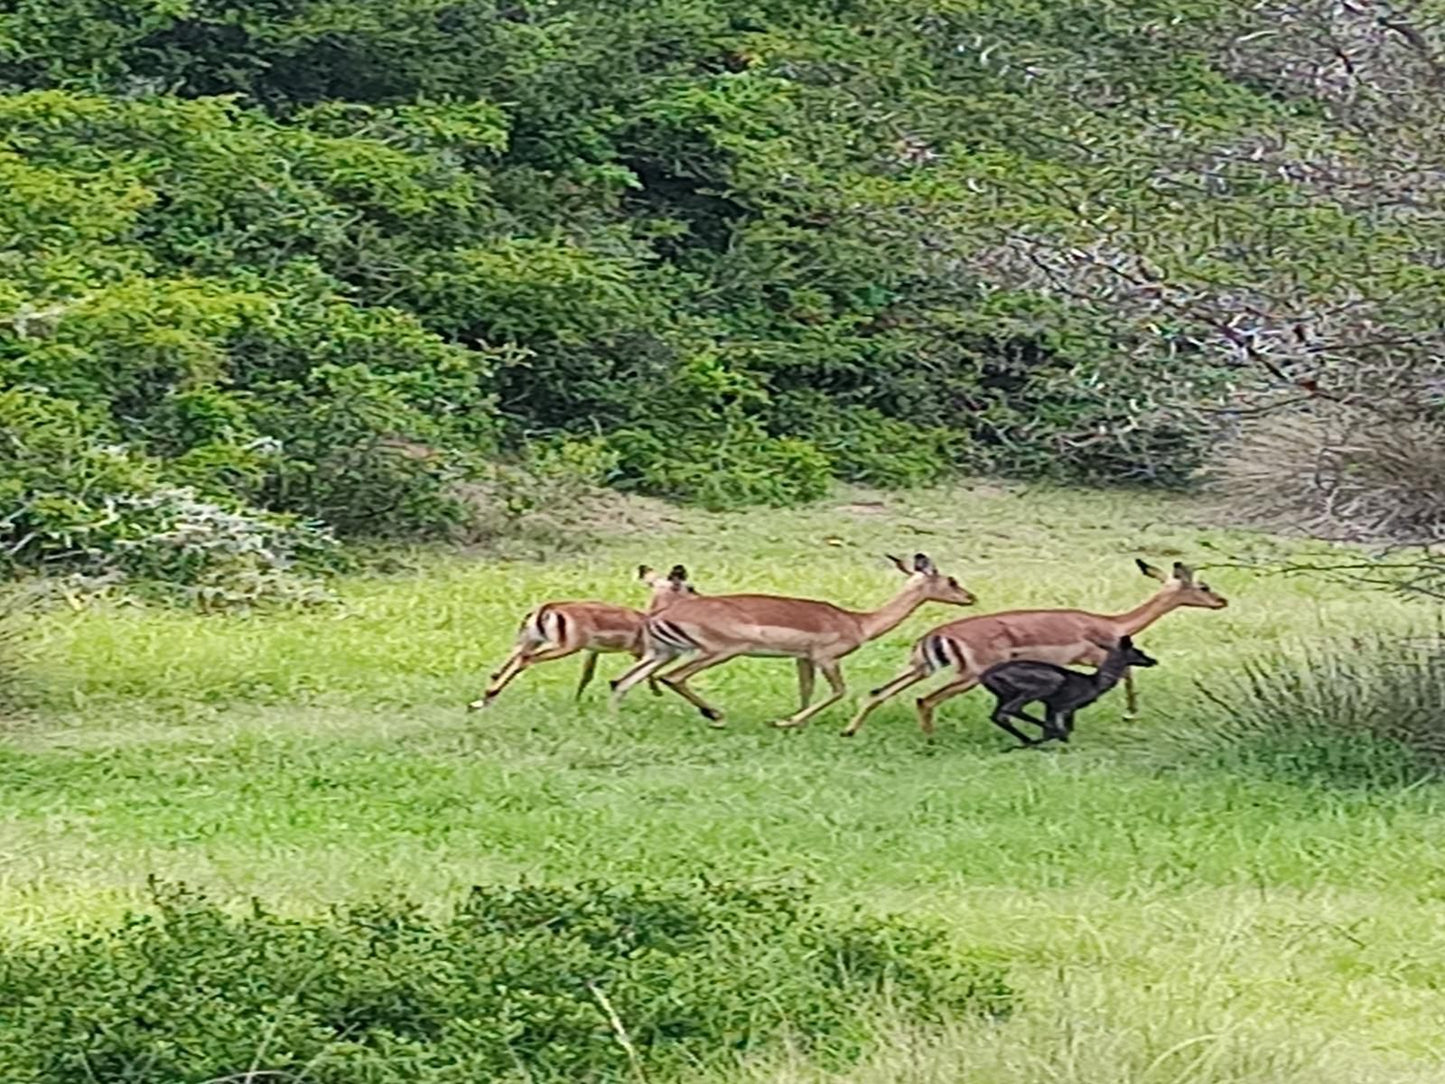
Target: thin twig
(620,1031)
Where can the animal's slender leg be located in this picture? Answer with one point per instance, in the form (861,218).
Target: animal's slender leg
(927,704)
(834,675)
(1013,707)
(806,674)
(1057,726)
(1042,724)
(545,655)
(677,679)
(511,660)
(911,676)
(651,680)
(639,671)
(1131,702)
(589,667)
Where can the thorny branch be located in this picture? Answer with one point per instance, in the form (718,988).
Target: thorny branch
(1340,362)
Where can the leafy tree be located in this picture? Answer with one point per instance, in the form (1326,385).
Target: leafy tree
(330,259)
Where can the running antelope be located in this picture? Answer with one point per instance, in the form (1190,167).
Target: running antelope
(817,634)
(1061,637)
(555,630)
(1020,682)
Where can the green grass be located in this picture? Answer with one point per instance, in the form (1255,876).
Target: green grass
(1165,921)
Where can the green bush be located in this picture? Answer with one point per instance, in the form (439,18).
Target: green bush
(333,258)
(864,445)
(528,983)
(13,605)
(77,505)
(720,466)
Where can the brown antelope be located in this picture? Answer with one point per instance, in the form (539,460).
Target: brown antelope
(1061,637)
(817,634)
(555,630)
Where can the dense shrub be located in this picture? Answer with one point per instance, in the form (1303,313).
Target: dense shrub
(529,983)
(330,258)
(1344,476)
(102,510)
(1364,712)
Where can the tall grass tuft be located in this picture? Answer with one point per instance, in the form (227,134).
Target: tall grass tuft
(13,604)
(1364,711)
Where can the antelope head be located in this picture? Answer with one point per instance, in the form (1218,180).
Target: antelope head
(1183,589)
(665,589)
(931,584)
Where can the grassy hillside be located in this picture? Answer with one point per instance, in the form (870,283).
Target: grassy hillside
(1163,918)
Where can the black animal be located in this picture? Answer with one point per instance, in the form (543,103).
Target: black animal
(1019,682)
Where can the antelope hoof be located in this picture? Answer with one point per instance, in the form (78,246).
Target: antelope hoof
(478,705)
(787,724)
(713,716)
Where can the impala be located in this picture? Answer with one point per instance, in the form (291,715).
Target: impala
(1061,637)
(555,630)
(818,634)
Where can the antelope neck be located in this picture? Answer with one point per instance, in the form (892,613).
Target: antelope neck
(880,622)
(1145,614)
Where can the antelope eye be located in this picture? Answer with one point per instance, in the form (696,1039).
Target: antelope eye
(952,582)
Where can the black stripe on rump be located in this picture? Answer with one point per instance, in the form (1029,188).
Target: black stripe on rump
(936,653)
(669,635)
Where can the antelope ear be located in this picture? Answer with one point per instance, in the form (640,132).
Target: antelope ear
(1149,570)
(1183,573)
(643,572)
(923,563)
(899,564)
(678,574)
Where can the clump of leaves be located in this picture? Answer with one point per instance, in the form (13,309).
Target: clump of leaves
(589,982)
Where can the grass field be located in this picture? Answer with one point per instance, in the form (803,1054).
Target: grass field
(1166,922)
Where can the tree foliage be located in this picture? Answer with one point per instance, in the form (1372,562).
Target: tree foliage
(325,260)
(1299,255)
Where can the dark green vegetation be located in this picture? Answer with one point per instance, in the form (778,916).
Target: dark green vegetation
(1168,912)
(528,984)
(298,263)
